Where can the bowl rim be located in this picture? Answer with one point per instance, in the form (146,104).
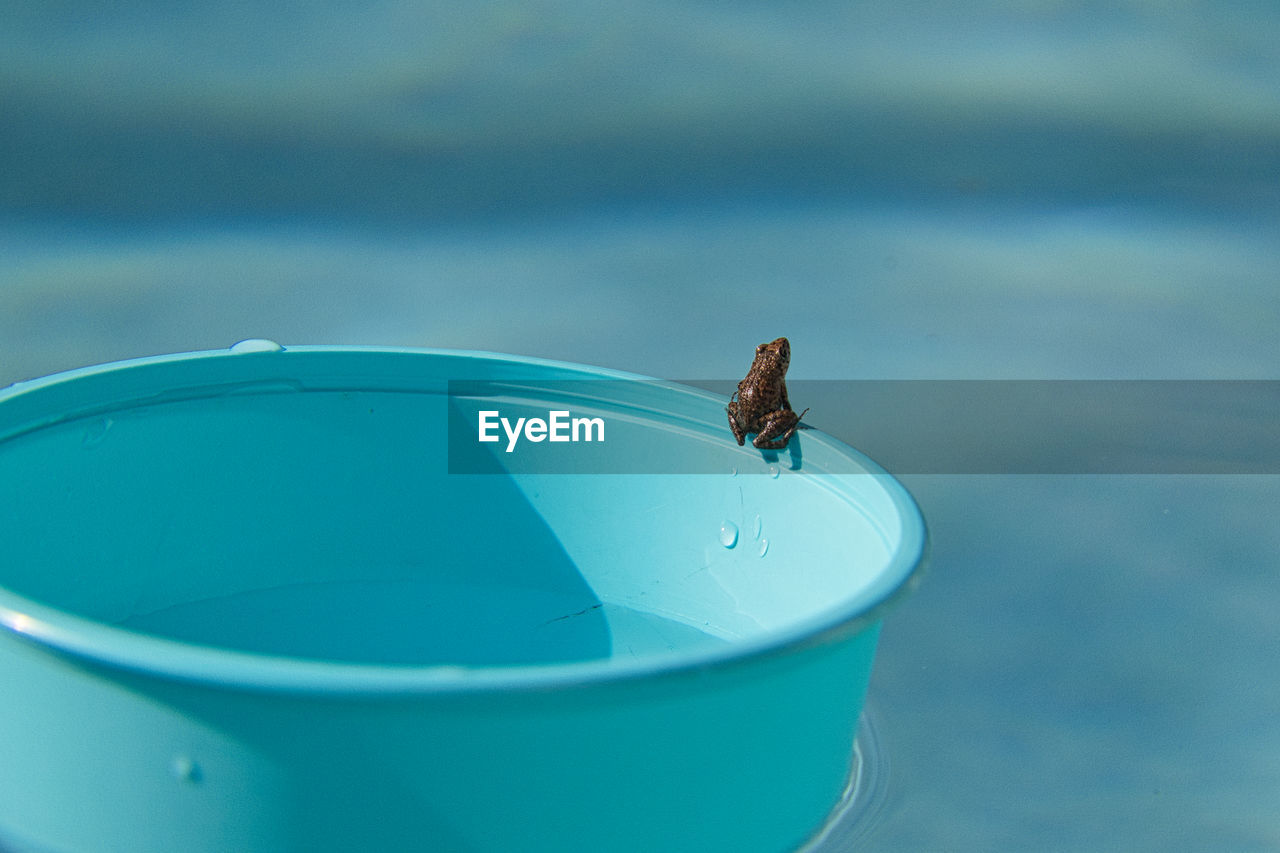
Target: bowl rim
(98,643)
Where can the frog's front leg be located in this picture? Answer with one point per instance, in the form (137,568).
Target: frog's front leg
(778,428)
(739,431)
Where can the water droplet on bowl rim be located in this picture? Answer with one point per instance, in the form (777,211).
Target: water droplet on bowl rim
(256,345)
(95,431)
(184,769)
(764,547)
(728,534)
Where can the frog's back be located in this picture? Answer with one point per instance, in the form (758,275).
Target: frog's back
(761,393)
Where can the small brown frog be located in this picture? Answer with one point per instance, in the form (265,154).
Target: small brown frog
(760,404)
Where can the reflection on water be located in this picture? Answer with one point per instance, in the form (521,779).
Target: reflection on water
(854,819)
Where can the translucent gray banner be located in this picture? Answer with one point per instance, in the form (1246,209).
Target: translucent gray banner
(911,426)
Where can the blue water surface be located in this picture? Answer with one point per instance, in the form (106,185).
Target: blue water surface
(1033,190)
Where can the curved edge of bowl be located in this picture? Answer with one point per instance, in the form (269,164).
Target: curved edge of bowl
(102,644)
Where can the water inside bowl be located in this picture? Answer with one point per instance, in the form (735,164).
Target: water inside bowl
(419,622)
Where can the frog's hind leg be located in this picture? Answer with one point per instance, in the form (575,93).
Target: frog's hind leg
(778,428)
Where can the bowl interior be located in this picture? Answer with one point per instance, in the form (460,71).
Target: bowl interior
(302,505)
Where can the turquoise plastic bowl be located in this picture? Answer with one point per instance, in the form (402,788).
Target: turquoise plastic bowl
(247,606)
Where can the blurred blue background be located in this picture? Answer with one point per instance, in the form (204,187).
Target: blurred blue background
(1031,189)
